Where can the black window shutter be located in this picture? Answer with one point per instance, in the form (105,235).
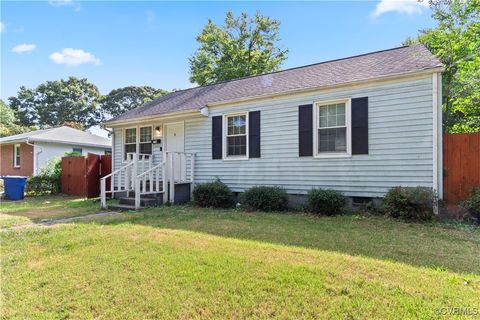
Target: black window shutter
(305,130)
(360,125)
(254,134)
(217,137)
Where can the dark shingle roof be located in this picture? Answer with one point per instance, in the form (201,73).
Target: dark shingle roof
(363,67)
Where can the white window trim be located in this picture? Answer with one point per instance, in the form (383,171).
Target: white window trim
(224,136)
(15,154)
(316,125)
(137,138)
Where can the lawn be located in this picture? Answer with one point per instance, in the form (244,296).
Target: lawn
(186,262)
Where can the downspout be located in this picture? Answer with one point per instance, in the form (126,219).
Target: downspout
(102,126)
(105,128)
(35,155)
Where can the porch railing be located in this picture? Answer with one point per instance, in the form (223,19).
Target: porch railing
(123,179)
(141,177)
(180,175)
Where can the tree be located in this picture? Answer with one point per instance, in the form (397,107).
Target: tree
(55,102)
(8,122)
(241,47)
(121,100)
(455,41)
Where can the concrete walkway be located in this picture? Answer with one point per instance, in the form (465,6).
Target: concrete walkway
(52,222)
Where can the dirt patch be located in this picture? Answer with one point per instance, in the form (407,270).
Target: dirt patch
(52,222)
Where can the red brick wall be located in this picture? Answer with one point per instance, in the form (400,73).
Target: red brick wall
(26,160)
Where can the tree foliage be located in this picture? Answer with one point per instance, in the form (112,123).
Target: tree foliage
(55,102)
(242,47)
(456,42)
(8,122)
(121,100)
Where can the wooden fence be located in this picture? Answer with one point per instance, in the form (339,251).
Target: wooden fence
(461,165)
(81,175)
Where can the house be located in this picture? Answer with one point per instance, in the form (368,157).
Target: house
(359,125)
(25,154)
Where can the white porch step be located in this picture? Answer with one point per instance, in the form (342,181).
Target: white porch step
(144,201)
(121,207)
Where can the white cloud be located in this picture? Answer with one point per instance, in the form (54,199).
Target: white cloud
(65,3)
(2,27)
(60,3)
(74,57)
(21,48)
(151,18)
(400,6)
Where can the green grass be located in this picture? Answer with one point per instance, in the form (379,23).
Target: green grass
(184,262)
(34,209)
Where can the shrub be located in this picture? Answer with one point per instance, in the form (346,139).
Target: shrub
(410,204)
(472,204)
(73,154)
(327,202)
(43,184)
(213,194)
(48,181)
(52,167)
(265,199)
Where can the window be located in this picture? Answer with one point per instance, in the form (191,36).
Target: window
(130,142)
(77,150)
(16,155)
(236,139)
(332,128)
(146,140)
(143,144)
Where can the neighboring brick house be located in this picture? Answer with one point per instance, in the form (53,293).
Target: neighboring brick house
(16,159)
(25,154)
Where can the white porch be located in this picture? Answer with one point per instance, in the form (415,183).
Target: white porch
(139,178)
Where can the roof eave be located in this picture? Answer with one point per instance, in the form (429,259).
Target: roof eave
(13,141)
(152,117)
(266,96)
(74,143)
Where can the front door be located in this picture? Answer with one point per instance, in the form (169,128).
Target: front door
(174,141)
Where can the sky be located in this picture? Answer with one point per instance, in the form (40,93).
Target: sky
(121,43)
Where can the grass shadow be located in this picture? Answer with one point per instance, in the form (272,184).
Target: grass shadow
(426,245)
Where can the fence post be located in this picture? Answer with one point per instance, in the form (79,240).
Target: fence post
(164,178)
(172,178)
(135,181)
(183,166)
(137,194)
(134,172)
(103,193)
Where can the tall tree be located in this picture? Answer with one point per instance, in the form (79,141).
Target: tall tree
(455,41)
(55,102)
(121,100)
(242,47)
(8,122)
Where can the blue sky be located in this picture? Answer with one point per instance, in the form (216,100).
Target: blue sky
(116,44)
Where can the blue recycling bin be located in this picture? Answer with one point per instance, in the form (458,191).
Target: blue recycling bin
(14,187)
